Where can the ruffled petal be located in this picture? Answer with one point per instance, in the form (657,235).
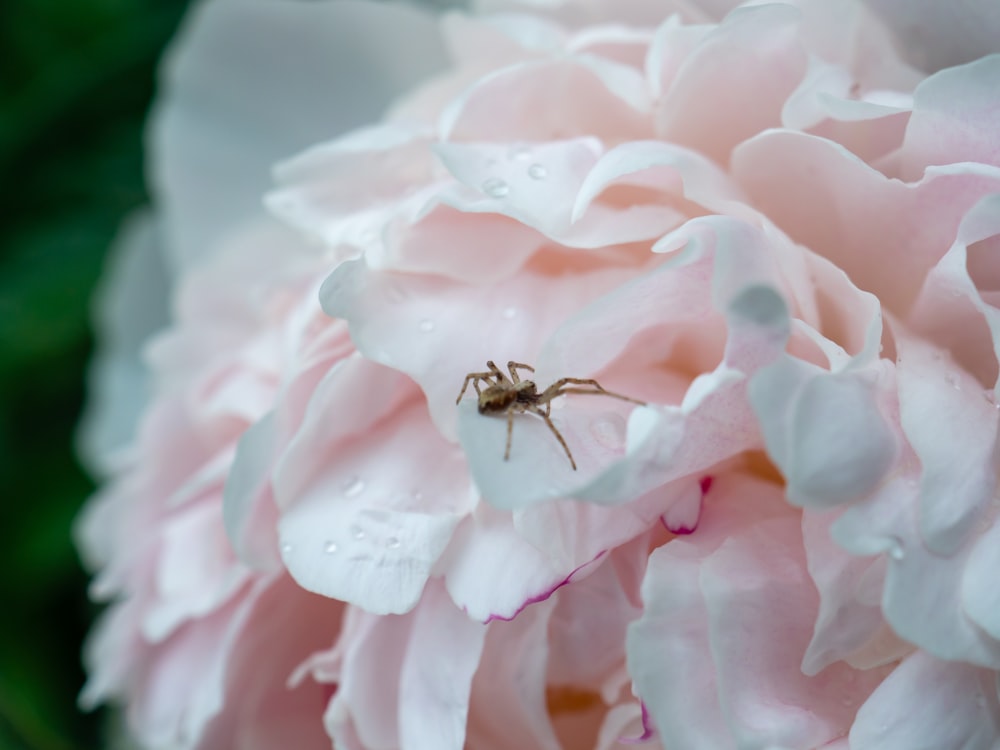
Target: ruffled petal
(361,532)
(751,63)
(436,677)
(832,202)
(954,119)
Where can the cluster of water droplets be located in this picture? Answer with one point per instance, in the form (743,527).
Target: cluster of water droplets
(356,532)
(498,188)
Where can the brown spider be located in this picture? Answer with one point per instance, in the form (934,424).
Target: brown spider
(511,395)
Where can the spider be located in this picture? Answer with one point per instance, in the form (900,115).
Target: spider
(511,395)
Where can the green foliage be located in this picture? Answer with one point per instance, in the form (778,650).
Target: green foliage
(76,77)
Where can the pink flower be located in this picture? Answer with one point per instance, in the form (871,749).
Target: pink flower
(761,222)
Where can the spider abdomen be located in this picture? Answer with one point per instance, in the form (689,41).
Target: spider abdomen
(498,398)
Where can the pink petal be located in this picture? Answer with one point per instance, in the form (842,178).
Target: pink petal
(958,708)
(492,572)
(436,677)
(826,431)
(670,656)
(849,587)
(953,430)
(761,609)
(922,599)
(957,308)
(832,202)
(196,570)
(370,527)
(954,119)
(508,709)
(751,63)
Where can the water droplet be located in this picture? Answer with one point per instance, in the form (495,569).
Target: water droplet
(357,532)
(519,153)
(537,171)
(426,325)
(354,487)
(896,551)
(330,547)
(286,548)
(392,542)
(952,381)
(509,313)
(495,187)
(609,431)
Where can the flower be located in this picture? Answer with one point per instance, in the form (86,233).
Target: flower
(761,222)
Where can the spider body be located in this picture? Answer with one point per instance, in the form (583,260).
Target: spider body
(506,394)
(497,399)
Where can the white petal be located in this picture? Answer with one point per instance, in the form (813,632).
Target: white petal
(131,307)
(956,709)
(443,654)
(233,103)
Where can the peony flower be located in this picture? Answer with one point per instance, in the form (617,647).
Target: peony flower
(762,223)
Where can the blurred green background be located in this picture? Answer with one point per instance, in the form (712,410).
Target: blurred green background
(76,79)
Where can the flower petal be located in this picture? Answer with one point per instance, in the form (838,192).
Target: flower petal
(958,708)
(954,119)
(360,533)
(232,106)
(436,678)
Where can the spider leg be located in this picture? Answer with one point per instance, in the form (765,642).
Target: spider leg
(544,415)
(510,430)
(513,367)
(559,388)
(497,372)
(474,378)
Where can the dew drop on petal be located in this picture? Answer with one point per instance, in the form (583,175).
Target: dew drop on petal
(495,187)
(519,153)
(426,325)
(896,551)
(609,430)
(354,487)
(357,532)
(330,547)
(392,542)
(537,171)
(952,381)
(286,548)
